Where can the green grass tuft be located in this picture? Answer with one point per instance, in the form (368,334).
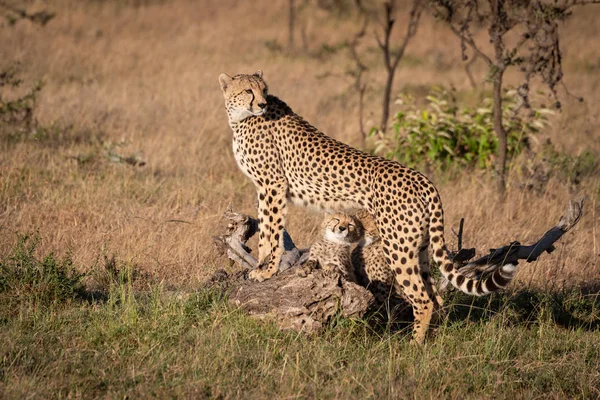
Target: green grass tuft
(26,279)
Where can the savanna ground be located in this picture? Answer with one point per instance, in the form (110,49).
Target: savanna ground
(125,80)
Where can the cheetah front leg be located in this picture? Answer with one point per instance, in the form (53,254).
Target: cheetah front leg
(272,210)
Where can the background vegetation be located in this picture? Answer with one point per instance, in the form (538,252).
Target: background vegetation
(123,167)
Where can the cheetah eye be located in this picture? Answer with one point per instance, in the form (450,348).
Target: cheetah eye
(249,91)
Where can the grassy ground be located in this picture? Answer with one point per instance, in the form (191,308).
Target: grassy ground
(58,341)
(126,81)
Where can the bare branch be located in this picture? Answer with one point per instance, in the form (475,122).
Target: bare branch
(460,233)
(469,40)
(411,30)
(40,17)
(391,60)
(468,66)
(512,253)
(359,86)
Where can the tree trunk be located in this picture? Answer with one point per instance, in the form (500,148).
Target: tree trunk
(291,23)
(361,106)
(385,111)
(497,31)
(500,133)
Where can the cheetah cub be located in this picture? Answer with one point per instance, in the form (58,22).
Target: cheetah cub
(332,251)
(369,264)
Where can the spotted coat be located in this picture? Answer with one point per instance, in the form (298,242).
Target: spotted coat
(289,160)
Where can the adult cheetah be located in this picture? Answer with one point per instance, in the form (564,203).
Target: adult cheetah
(289,159)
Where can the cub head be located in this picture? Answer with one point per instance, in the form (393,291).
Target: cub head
(370,232)
(341,228)
(245,95)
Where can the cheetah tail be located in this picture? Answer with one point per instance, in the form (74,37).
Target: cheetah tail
(498,279)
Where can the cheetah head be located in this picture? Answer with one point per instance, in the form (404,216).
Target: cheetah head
(370,232)
(245,95)
(341,229)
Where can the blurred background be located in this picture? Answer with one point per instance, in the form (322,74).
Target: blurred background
(114,141)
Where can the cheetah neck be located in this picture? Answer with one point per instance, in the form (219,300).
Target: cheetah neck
(236,117)
(276,108)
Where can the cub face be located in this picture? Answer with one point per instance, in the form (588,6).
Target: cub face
(245,95)
(370,231)
(341,228)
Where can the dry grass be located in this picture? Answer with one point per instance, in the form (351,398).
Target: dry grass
(147,77)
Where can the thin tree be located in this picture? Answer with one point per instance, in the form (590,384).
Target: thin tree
(535,53)
(392,57)
(291,24)
(360,68)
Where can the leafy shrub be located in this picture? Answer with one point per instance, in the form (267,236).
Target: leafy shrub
(443,134)
(17,115)
(25,278)
(571,167)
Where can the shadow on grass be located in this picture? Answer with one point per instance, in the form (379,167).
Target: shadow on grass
(571,308)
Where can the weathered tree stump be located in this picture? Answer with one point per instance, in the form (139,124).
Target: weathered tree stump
(298,303)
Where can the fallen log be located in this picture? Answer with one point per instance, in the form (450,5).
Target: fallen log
(308,303)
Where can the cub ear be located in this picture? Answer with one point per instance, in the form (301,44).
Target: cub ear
(224,81)
(258,73)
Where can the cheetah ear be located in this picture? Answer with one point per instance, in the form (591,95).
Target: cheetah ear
(258,73)
(224,80)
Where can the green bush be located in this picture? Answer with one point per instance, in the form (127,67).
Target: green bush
(17,118)
(47,281)
(443,134)
(571,168)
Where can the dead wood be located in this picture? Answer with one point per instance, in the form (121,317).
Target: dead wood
(307,303)
(295,302)
(240,228)
(302,303)
(515,251)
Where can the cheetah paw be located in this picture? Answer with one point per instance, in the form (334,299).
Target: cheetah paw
(260,275)
(306,269)
(256,275)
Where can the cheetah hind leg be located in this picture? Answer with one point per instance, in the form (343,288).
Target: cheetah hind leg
(407,276)
(429,283)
